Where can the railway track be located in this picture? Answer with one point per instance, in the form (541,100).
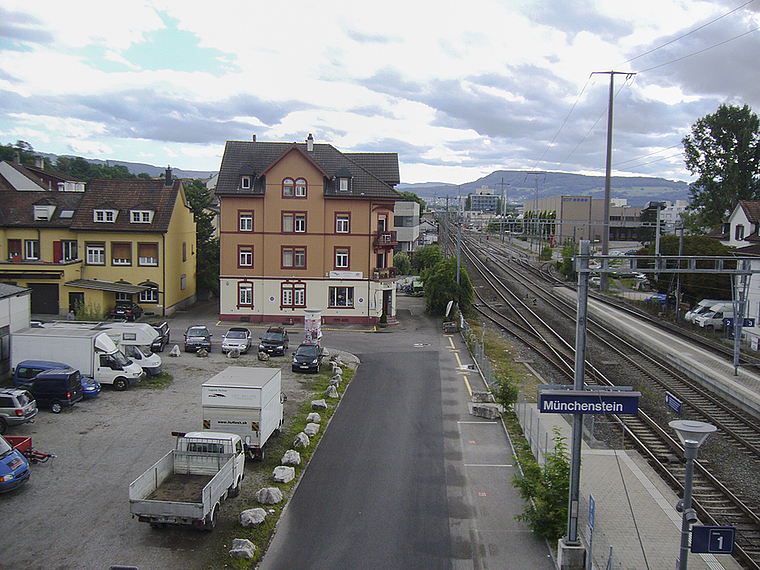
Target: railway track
(510,307)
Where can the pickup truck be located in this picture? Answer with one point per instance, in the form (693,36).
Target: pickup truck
(188,484)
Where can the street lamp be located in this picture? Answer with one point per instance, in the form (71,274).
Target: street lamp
(692,435)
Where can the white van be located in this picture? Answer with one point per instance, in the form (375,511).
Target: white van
(700,309)
(713,318)
(134,340)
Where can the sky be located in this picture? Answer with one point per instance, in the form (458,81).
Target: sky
(457,89)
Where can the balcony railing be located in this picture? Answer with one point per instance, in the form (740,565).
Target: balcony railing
(380,273)
(385,239)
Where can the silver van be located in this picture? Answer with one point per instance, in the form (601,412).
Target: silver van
(713,318)
(700,309)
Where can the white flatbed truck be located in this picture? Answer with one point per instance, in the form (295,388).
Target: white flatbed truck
(188,485)
(246,401)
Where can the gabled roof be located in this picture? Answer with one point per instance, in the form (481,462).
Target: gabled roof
(751,210)
(126,195)
(373,174)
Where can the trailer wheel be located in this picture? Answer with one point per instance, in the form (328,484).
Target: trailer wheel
(56,407)
(121,384)
(211,519)
(235,489)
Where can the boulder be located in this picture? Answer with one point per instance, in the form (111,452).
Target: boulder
(291,457)
(314,417)
(263,356)
(174,351)
(202,353)
(318,405)
(269,496)
(331,392)
(242,548)
(253,517)
(302,440)
(334,382)
(284,474)
(233,353)
(311,429)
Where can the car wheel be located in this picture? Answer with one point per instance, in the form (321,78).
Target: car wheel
(121,384)
(3,425)
(710,328)
(211,519)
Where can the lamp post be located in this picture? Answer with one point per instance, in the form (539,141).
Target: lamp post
(692,435)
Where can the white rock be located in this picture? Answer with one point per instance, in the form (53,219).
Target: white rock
(253,517)
(269,496)
(301,440)
(314,417)
(283,474)
(318,405)
(311,429)
(291,457)
(331,392)
(242,548)
(263,356)
(174,351)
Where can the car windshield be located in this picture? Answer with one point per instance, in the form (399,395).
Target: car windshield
(273,336)
(308,350)
(197,332)
(236,334)
(120,359)
(5,447)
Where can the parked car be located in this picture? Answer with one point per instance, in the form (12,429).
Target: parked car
(196,338)
(14,468)
(308,358)
(275,341)
(237,338)
(17,406)
(126,310)
(27,370)
(164,336)
(56,388)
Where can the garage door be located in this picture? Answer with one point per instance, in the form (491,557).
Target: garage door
(44,298)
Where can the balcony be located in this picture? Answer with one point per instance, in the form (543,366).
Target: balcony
(385,239)
(382,273)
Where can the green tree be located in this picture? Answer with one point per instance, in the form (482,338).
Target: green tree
(441,287)
(402,263)
(427,257)
(567,266)
(81,169)
(24,150)
(546,491)
(207,245)
(723,150)
(412,197)
(647,233)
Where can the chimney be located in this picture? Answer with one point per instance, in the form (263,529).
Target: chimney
(39,162)
(254,137)
(168,179)
(310,143)
(16,157)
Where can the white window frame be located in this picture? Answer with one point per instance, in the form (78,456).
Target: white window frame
(245,294)
(141,216)
(31,249)
(69,249)
(334,293)
(245,182)
(149,295)
(299,223)
(300,188)
(341,258)
(342,224)
(245,257)
(104,216)
(246,222)
(96,254)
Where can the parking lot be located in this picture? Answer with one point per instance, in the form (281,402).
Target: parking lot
(74,511)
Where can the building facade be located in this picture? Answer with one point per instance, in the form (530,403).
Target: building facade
(306,226)
(92,245)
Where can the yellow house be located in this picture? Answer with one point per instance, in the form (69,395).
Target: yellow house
(306,226)
(116,240)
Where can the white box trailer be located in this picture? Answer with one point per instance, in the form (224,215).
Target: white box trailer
(245,401)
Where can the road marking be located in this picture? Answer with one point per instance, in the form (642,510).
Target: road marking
(451,342)
(466,383)
(487,465)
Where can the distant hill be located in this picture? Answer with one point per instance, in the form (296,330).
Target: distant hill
(139,168)
(520,185)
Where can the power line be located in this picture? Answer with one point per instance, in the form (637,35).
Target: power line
(688,33)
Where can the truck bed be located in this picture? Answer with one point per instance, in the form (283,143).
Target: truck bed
(181,488)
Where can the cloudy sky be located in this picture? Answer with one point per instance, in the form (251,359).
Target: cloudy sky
(457,89)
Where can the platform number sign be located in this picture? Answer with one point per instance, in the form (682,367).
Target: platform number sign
(713,539)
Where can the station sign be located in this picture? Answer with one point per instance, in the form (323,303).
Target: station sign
(673,402)
(713,539)
(747,323)
(589,402)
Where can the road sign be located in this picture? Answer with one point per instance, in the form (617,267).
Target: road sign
(591,511)
(712,539)
(588,402)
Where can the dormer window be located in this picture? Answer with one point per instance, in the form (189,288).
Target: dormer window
(344,179)
(141,216)
(108,216)
(43,213)
(245,182)
(343,184)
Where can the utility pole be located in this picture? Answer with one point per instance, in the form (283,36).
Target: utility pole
(608,174)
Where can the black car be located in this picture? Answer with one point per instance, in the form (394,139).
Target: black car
(275,341)
(308,358)
(56,388)
(197,337)
(164,336)
(126,310)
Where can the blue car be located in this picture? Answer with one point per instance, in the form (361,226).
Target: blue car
(14,468)
(90,387)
